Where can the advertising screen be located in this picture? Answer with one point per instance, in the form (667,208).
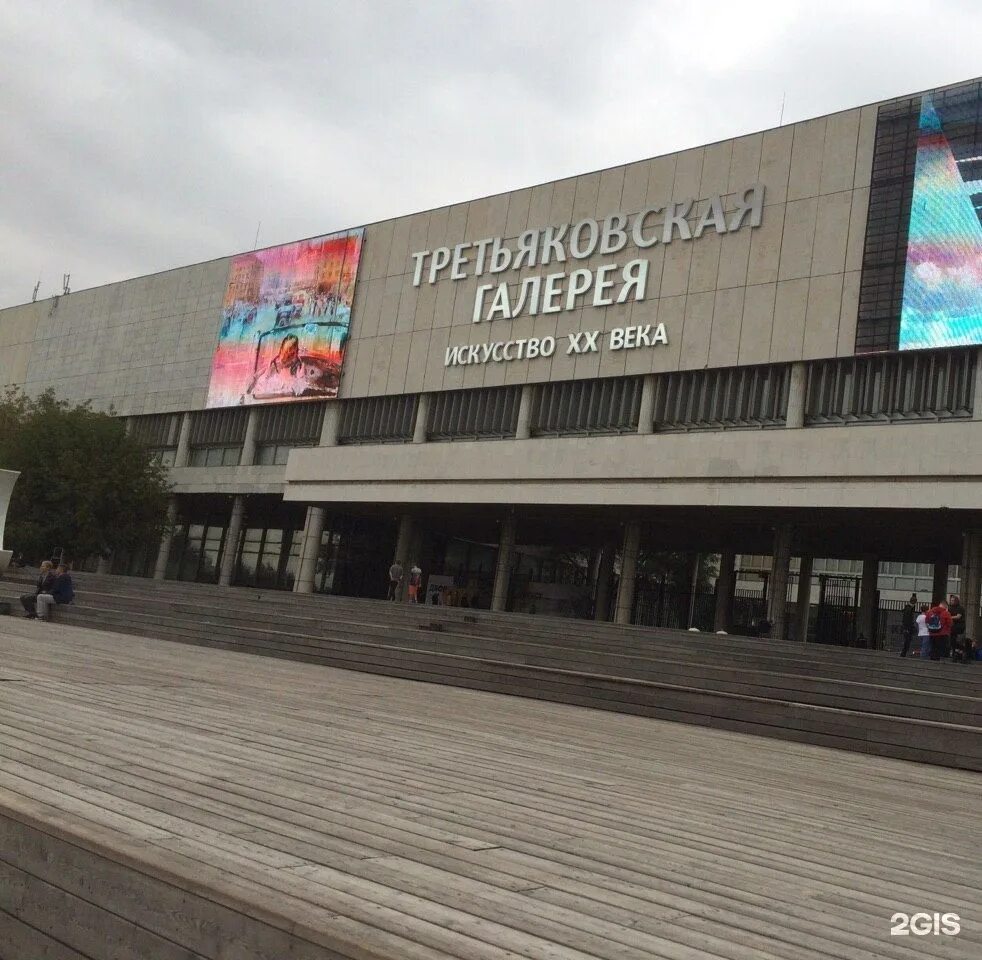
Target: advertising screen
(942,293)
(285,321)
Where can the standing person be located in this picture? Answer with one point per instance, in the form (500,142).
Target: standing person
(923,634)
(908,623)
(939,626)
(395,578)
(958,642)
(61,591)
(415,583)
(45,581)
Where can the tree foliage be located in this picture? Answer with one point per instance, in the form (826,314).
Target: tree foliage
(676,569)
(85,486)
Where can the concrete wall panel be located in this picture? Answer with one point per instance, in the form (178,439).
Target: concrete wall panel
(145,345)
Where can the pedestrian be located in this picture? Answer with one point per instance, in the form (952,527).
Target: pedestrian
(395,579)
(45,581)
(939,626)
(415,583)
(923,634)
(960,644)
(61,591)
(908,623)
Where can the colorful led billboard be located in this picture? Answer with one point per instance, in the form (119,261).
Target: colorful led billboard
(285,321)
(942,298)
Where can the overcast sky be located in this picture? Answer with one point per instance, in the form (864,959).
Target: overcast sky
(138,136)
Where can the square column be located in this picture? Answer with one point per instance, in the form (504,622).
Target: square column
(331,424)
(629,570)
(803,603)
(725,584)
(422,423)
(163,553)
(605,575)
(797,396)
(777,605)
(310,551)
(646,414)
(248,456)
(502,570)
(182,455)
(868,606)
(939,587)
(232,537)
(524,428)
(971,585)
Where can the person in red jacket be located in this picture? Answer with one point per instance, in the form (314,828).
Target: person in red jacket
(939,627)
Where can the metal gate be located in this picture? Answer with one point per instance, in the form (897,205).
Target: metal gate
(838,603)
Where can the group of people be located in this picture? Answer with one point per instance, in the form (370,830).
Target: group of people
(939,629)
(415,586)
(54,585)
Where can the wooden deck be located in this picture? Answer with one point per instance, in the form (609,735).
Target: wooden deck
(162,800)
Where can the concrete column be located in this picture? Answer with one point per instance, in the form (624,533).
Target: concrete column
(232,536)
(104,565)
(605,575)
(248,455)
(646,416)
(163,552)
(310,550)
(725,585)
(867,598)
(804,601)
(971,585)
(331,424)
(797,394)
(629,572)
(128,425)
(502,571)
(422,418)
(939,588)
(524,429)
(777,605)
(183,442)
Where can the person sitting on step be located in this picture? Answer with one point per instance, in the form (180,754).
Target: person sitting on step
(45,582)
(62,591)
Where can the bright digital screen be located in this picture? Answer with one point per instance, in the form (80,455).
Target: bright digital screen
(942,300)
(285,320)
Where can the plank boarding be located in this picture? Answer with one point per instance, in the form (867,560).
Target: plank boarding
(191,802)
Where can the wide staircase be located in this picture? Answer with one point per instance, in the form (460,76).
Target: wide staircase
(861,700)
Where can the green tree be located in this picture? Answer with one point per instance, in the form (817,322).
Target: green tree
(676,568)
(85,486)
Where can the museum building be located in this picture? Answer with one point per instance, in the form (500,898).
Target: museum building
(765,350)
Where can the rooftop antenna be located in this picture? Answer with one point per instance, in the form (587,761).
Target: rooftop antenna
(255,243)
(37,286)
(784,96)
(65,279)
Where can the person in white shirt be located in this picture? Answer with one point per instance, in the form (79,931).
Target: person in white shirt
(923,634)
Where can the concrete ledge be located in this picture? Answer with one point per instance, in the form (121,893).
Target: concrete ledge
(70,889)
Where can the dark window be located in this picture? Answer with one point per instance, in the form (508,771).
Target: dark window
(297,422)
(928,385)
(209,427)
(474,414)
(718,399)
(610,405)
(158,431)
(378,419)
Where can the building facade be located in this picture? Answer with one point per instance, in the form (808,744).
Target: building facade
(767,346)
